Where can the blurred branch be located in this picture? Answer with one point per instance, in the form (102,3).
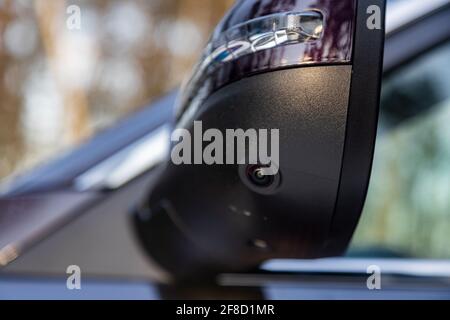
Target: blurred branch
(11,142)
(74,99)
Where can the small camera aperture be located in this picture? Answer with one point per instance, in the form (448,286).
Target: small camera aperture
(255,174)
(254,177)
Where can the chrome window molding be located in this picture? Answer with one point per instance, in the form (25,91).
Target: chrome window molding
(404,12)
(405,267)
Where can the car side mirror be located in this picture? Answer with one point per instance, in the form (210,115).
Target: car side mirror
(273,141)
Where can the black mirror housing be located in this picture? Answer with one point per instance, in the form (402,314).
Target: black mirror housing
(310,69)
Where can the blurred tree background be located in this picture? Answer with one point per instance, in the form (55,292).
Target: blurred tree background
(59,86)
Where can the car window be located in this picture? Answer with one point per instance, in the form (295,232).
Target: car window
(407,212)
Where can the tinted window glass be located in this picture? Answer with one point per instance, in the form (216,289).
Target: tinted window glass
(408,206)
